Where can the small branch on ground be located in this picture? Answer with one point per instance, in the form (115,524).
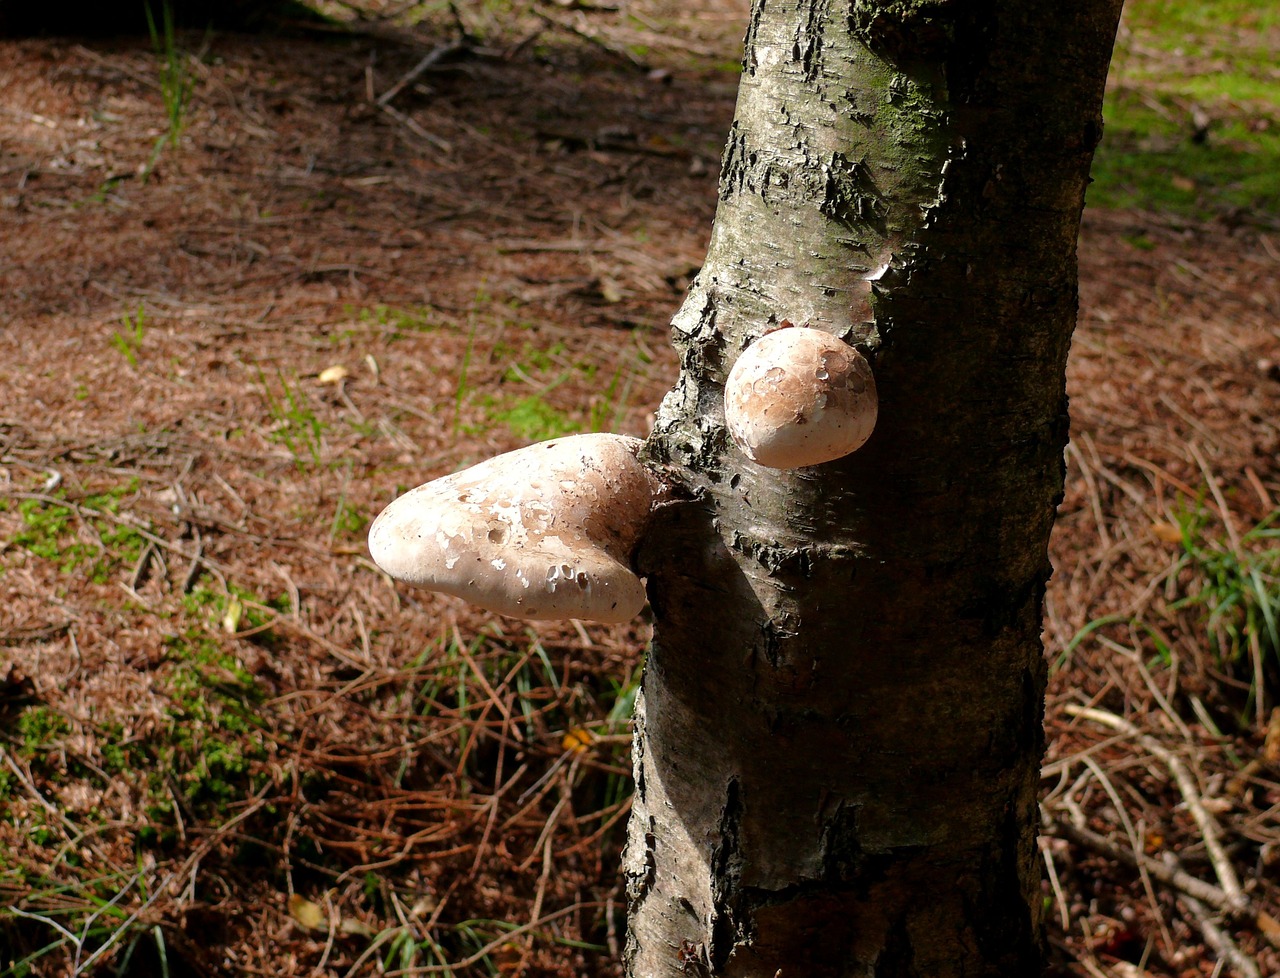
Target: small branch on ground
(1210,831)
(434,56)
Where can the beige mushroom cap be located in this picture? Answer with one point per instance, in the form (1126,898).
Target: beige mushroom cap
(542,532)
(798,396)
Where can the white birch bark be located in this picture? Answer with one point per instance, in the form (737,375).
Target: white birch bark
(839,736)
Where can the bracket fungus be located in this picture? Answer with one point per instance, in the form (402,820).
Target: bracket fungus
(544,532)
(799,396)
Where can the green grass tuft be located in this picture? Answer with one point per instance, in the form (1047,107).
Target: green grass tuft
(1193,111)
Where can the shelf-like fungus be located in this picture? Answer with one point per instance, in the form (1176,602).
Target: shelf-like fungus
(799,396)
(542,532)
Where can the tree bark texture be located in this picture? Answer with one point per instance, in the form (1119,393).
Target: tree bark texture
(838,743)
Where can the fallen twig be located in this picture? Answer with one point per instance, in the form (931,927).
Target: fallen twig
(1198,895)
(1237,902)
(412,125)
(1221,941)
(434,56)
(1172,876)
(582,31)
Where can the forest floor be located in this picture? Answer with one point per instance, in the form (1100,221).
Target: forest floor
(255,286)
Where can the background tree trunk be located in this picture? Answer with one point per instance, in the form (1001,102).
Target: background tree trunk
(97,17)
(838,743)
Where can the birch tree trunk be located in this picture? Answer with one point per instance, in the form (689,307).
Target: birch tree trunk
(838,743)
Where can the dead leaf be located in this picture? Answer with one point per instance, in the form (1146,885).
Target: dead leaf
(1167,532)
(358,928)
(610,290)
(1269,927)
(1271,746)
(309,915)
(577,740)
(232,617)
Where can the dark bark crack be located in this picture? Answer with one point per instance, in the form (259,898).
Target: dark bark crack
(729,925)
(806,49)
(851,196)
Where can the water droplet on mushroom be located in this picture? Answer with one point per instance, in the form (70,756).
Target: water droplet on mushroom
(822,406)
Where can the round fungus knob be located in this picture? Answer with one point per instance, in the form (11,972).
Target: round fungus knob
(542,532)
(798,396)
